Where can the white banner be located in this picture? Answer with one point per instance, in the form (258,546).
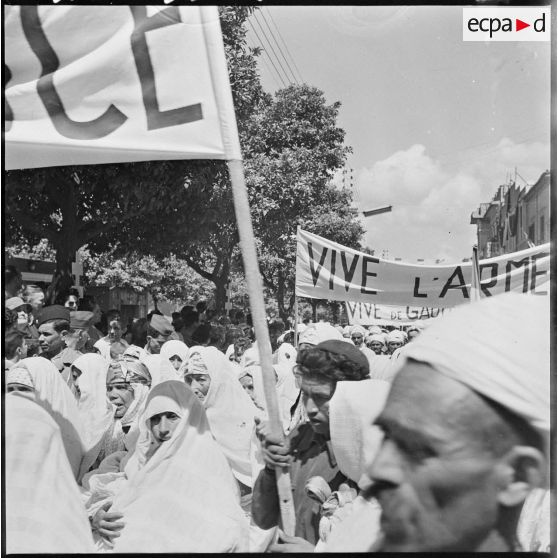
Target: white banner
(365,314)
(328,270)
(105,84)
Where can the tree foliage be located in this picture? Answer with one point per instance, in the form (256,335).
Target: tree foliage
(136,217)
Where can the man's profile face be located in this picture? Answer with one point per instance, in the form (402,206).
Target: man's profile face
(316,394)
(435,479)
(50,341)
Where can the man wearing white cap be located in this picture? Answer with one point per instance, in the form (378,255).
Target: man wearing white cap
(396,339)
(467,423)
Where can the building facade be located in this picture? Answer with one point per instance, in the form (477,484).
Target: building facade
(514,219)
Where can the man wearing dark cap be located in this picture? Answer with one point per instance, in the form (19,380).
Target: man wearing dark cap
(159,331)
(54,332)
(307,450)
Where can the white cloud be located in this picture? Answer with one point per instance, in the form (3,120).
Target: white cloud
(432,203)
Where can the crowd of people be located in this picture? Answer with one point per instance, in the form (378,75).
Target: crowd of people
(154,436)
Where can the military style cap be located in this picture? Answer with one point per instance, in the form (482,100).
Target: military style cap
(54,312)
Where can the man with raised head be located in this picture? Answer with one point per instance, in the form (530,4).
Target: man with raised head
(466,429)
(307,450)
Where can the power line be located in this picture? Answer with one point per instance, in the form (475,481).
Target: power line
(286,47)
(265,50)
(271,48)
(278,46)
(267,66)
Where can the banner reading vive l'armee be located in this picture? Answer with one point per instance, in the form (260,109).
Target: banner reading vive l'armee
(328,270)
(105,84)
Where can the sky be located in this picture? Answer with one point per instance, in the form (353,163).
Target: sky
(436,124)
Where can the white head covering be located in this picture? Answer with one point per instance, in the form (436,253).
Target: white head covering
(358,329)
(318,332)
(135,353)
(44,511)
(184,498)
(498,347)
(352,409)
(174,348)
(376,337)
(285,385)
(54,395)
(375,330)
(21,376)
(94,407)
(286,354)
(396,336)
(230,412)
(161,368)
(134,373)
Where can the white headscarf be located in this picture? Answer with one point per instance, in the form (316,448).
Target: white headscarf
(54,395)
(230,412)
(161,368)
(94,407)
(133,352)
(358,329)
(44,511)
(134,373)
(352,409)
(318,332)
(396,336)
(174,348)
(184,498)
(285,384)
(498,347)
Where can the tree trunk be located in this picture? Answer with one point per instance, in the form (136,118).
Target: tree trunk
(67,243)
(221,282)
(283,313)
(314,305)
(62,280)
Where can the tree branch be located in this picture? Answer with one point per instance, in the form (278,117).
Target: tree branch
(91,229)
(205,274)
(33,226)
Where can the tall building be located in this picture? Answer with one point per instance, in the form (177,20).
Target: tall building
(514,219)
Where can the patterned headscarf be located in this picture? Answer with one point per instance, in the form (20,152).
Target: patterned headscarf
(20,375)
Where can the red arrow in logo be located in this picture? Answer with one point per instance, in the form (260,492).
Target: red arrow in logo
(519,25)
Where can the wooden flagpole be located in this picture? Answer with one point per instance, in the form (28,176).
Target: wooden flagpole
(255,291)
(475,276)
(296,321)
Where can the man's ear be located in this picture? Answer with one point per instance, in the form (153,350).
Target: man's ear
(519,471)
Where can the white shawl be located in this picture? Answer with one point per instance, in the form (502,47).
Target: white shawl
(94,407)
(184,498)
(54,395)
(230,412)
(44,512)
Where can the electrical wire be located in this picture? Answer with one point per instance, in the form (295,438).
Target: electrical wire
(289,80)
(278,46)
(267,53)
(285,44)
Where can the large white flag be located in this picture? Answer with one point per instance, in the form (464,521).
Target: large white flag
(105,84)
(328,270)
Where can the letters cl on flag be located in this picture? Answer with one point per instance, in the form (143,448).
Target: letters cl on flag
(105,84)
